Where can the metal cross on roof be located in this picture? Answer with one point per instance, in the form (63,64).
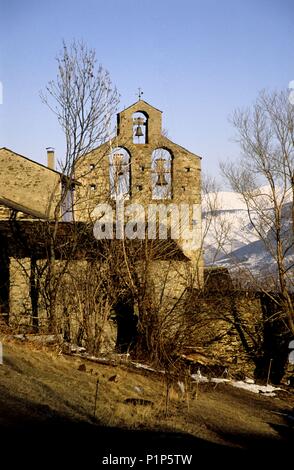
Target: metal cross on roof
(140,93)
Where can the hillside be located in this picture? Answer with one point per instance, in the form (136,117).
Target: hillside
(47,414)
(231,240)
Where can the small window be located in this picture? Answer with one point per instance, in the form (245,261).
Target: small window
(187,169)
(139,187)
(91,166)
(93,187)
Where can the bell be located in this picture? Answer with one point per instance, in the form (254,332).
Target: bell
(139,132)
(160,169)
(161,180)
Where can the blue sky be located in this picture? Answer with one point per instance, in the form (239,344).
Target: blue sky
(196,60)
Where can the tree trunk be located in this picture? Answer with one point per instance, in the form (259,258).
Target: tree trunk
(34,294)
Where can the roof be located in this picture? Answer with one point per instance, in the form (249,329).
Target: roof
(140,101)
(33,161)
(62,175)
(22,238)
(20,208)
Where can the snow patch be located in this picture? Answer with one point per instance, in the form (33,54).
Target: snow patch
(247,384)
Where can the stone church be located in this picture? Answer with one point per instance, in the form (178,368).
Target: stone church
(139,165)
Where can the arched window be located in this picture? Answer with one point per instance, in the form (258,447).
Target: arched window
(120,173)
(140,128)
(161,174)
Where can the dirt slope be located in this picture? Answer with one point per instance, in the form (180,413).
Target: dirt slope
(47,413)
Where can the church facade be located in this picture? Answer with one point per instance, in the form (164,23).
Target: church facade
(139,168)
(142,166)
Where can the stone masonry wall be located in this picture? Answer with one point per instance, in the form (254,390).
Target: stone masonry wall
(217,316)
(93,169)
(27,183)
(20,302)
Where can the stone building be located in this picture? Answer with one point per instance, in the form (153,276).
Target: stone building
(140,165)
(139,168)
(147,173)
(28,187)
(29,193)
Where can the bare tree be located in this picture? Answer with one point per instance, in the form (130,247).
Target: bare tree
(84,100)
(264,177)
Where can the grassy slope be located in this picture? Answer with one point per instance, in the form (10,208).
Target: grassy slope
(44,394)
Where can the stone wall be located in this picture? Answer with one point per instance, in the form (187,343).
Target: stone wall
(37,188)
(239,329)
(78,318)
(218,315)
(28,184)
(93,171)
(19,296)
(4,212)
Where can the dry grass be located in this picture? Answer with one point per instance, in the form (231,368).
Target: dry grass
(43,385)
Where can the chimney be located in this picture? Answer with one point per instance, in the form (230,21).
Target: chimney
(50,158)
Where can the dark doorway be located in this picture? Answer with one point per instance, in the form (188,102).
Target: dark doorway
(126,324)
